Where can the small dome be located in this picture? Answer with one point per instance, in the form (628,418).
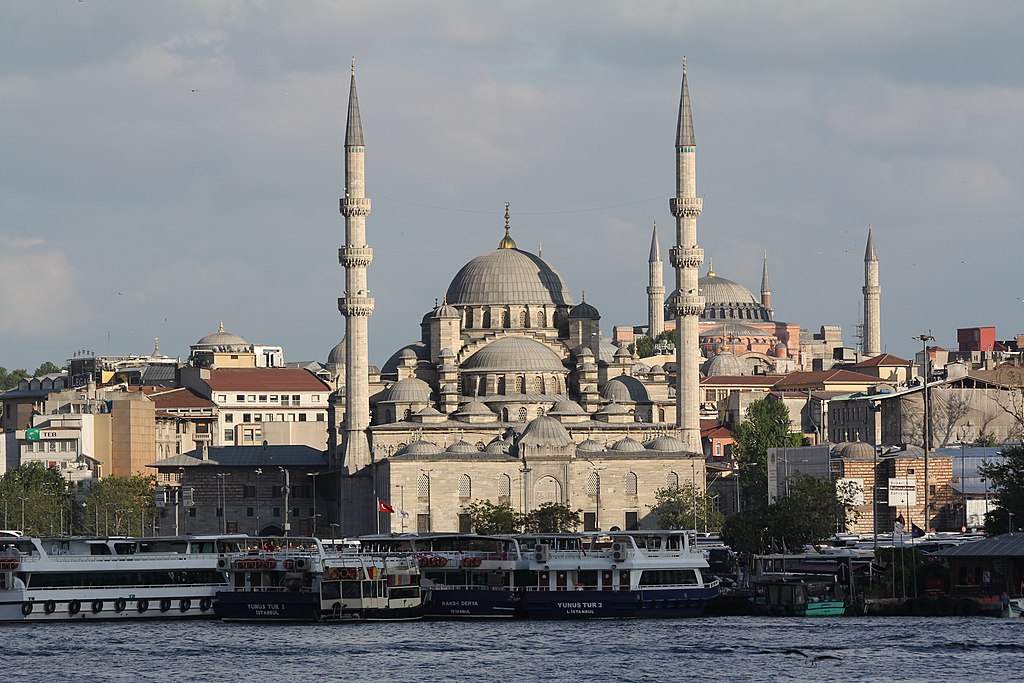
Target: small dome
(337,354)
(408,390)
(461,446)
(420,448)
(222,341)
(584,310)
(667,444)
(511,354)
(545,431)
(723,364)
(567,407)
(624,389)
(590,446)
(628,445)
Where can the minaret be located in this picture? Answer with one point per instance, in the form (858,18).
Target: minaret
(871,342)
(656,289)
(766,290)
(687,304)
(356,305)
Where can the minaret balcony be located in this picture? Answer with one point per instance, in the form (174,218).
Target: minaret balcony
(355,206)
(686,257)
(686,207)
(355,305)
(355,256)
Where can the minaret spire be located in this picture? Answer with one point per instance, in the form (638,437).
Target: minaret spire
(871,333)
(356,305)
(766,290)
(686,301)
(655,288)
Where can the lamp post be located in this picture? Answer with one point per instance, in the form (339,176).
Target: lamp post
(924,339)
(287,491)
(402,512)
(259,473)
(313,524)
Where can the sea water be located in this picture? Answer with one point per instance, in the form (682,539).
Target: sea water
(715,649)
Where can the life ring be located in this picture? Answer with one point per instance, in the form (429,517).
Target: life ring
(49,607)
(165,604)
(26,608)
(97,606)
(141,606)
(185,605)
(74,607)
(120,604)
(205,604)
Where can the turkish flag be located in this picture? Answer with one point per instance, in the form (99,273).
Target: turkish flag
(385,507)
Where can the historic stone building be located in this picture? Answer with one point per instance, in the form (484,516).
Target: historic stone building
(509,393)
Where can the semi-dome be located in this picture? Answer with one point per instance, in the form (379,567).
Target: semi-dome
(513,354)
(408,390)
(508,276)
(545,431)
(222,341)
(624,389)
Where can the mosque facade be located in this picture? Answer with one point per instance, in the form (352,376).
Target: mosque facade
(509,394)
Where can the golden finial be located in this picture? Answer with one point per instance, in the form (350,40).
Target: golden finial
(507,242)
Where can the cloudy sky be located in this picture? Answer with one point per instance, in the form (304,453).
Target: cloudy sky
(166,166)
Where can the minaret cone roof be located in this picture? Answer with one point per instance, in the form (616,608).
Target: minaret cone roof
(354,127)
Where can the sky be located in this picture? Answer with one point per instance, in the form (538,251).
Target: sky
(168,166)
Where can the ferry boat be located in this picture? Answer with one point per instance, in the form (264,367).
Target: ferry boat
(299,580)
(634,574)
(70,578)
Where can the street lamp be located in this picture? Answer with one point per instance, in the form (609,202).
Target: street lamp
(313,525)
(924,339)
(259,472)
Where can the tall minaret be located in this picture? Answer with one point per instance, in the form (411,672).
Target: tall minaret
(766,290)
(356,305)
(656,289)
(687,303)
(871,341)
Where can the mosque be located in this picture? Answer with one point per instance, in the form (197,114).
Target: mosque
(510,395)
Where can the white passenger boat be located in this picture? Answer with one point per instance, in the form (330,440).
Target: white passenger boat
(301,580)
(68,578)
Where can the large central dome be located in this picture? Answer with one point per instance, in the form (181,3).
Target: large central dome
(508,276)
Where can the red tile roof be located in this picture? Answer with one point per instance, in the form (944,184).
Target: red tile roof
(265,379)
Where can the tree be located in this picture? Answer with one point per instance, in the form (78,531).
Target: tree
(119,506)
(488,518)
(683,507)
(35,499)
(766,426)
(1006,478)
(552,518)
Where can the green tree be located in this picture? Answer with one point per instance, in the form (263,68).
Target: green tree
(35,499)
(488,518)
(119,506)
(1006,478)
(552,518)
(766,425)
(683,507)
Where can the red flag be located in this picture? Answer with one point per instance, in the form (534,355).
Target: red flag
(385,507)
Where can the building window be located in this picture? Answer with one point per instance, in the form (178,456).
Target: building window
(465,486)
(631,484)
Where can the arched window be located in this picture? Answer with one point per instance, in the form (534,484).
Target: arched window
(593,484)
(504,485)
(465,486)
(522,414)
(630,483)
(423,486)
(672,481)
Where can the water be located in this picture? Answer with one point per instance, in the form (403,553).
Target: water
(722,648)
